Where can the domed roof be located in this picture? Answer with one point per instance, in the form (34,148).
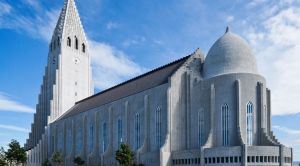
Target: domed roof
(229,54)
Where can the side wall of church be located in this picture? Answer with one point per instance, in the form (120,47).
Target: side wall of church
(83,134)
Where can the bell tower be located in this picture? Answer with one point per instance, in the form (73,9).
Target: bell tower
(69,62)
(67,77)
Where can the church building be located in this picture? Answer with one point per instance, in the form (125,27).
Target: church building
(211,110)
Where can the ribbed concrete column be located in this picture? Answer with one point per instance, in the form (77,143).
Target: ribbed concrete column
(188,110)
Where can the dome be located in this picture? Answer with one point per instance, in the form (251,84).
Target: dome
(229,54)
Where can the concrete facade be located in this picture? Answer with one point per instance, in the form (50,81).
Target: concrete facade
(210,111)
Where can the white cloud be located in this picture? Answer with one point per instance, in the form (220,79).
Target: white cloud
(34,3)
(4,9)
(291,136)
(8,104)
(39,26)
(275,39)
(110,65)
(14,128)
(229,19)
(112,25)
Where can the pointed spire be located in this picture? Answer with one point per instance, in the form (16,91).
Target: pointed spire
(227,29)
(68,19)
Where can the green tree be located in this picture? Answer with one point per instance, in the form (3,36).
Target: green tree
(57,158)
(78,160)
(2,157)
(125,156)
(15,153)
(46,163)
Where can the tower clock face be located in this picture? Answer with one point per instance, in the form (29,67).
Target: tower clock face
(77,61)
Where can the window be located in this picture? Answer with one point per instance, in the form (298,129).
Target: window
(79,140)
(69,140)
(265,116)
(249,124)
(69,42)
(76,43)
(58,41)
(158,127)
(91,137)
(120,132)
(83,47)
(225,130)
(201,127)
(104,137)
(137,127)
(60,141)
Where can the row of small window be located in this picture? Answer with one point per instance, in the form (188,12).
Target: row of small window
(232,159)
(56,43)
(250,159)
(186,161)
(69,43)
(267,159)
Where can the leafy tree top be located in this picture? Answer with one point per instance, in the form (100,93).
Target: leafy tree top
(78,160)
(125,155)
(16,153)
(57,158)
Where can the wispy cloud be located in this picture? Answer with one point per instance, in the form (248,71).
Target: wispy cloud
(4,9)
(291,136)
(275,38)
(8,104)
(112,25)
(14,128)
(110,65)
(39,26)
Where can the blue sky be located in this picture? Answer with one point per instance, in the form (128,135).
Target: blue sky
(130,37)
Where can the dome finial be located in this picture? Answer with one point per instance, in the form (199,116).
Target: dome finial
(227,29)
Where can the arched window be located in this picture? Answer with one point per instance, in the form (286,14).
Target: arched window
(58,41)
(201,127)
(158,127)
(60,141)
(120,132)
(69,140)
(54,45)
(78,140)
(104,137)
(225,121)
(91,137)
(69,43)
(83,47)
(137,127)
(76,43)
(250,124)
(265,116)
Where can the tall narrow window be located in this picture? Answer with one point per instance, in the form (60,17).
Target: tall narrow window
(137,127)
(58,41)
(120,132)
(225,130)
(266,117)
(249,124)
(104,137)
(91,137)
(83,47)
(79,140)
(69,43)
(60,141)
(76,43)
(201,127)
(158,127)
(69,140)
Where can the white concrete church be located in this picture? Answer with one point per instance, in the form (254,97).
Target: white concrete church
(213,110)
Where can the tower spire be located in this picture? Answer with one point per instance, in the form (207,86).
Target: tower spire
(69,20)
